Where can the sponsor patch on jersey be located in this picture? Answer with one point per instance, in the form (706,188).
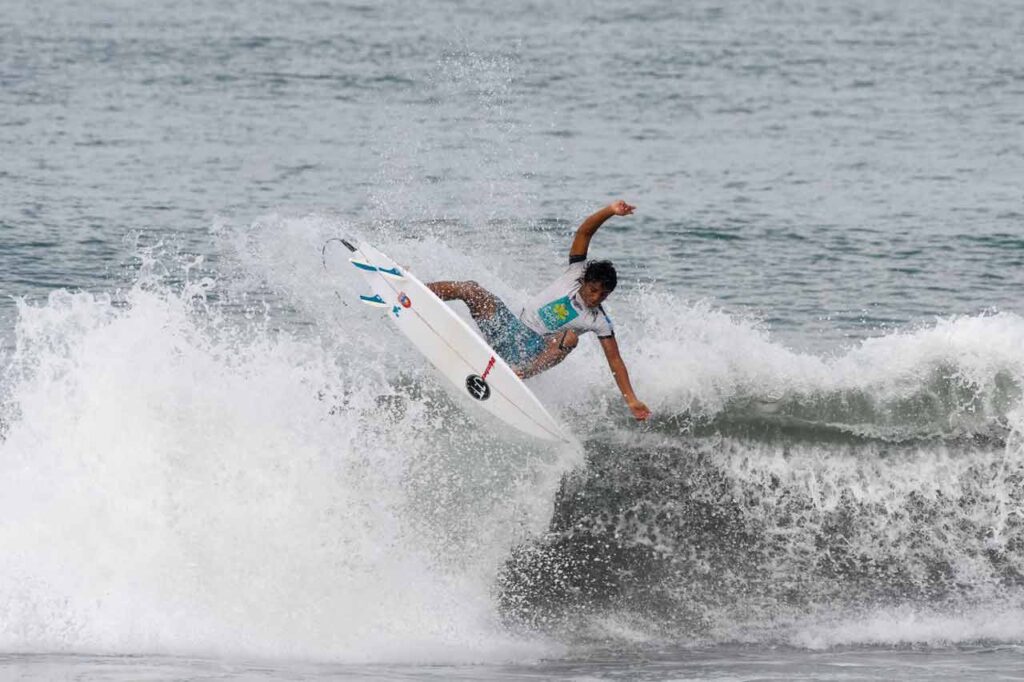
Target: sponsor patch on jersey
(557,313)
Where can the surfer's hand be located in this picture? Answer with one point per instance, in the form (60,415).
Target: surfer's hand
(620,207)
(639,410)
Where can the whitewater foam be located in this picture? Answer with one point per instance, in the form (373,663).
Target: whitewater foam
(175,480)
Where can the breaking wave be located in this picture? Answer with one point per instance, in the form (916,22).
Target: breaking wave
(229,458)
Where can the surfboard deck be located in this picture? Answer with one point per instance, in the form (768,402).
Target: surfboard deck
(448,342)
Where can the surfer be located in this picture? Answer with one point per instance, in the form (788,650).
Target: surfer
(549,327)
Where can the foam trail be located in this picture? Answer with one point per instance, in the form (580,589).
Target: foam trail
(907,626)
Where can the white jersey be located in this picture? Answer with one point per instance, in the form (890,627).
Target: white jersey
(559,307)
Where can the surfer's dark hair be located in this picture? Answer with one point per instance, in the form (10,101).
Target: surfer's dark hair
(601,271)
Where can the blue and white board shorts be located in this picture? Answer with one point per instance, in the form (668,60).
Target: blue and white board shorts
(517,344)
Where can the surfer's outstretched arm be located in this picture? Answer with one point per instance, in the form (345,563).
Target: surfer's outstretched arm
(585,232)
(618,367)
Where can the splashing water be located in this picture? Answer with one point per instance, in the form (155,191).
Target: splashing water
(176,479)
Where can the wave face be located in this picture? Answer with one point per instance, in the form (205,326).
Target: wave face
(871,496)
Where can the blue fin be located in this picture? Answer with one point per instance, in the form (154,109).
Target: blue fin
(362,266)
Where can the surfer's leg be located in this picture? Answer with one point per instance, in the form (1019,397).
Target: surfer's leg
(482,304)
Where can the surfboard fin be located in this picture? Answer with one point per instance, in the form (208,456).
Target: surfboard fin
(363,266)
(393,273)
(376,301)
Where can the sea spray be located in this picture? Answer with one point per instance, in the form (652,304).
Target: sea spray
(179,480)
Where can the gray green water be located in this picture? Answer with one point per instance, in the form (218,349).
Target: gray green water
(820,299)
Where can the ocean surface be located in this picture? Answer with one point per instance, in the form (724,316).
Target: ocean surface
(214,464)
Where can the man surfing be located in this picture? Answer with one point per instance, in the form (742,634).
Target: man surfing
(550,325)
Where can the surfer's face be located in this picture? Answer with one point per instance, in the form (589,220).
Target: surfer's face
(593,294)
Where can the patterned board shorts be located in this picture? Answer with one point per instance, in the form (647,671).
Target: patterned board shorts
(517,344)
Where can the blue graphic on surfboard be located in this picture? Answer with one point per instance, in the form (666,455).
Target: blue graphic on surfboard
(447,341)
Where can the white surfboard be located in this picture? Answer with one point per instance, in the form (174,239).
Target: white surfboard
(449,343)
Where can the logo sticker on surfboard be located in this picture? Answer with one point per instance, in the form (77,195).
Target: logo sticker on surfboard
(477,384)
(477,387)
(404,300)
